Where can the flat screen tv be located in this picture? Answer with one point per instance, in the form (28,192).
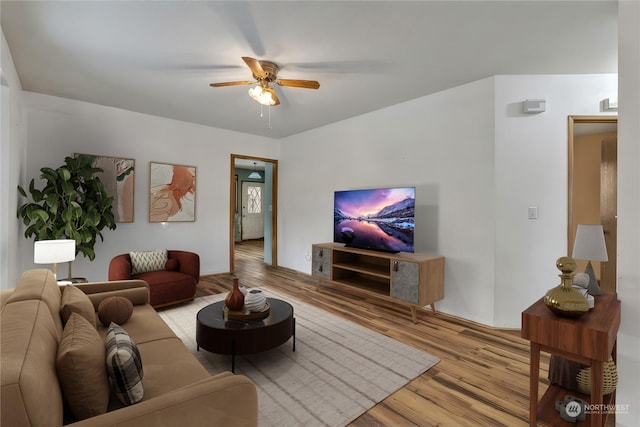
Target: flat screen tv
(379,219)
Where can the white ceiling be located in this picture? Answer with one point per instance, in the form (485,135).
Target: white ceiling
(158,57)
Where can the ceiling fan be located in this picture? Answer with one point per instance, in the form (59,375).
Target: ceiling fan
(265,72)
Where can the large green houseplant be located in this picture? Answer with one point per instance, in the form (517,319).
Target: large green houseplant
(72,205)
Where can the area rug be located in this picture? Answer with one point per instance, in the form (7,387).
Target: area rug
(338,371)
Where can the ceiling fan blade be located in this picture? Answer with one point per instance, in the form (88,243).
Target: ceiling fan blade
(274,96)
(306,84)
(223,84)
(255,67)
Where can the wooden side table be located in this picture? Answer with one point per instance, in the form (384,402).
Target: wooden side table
(589,340)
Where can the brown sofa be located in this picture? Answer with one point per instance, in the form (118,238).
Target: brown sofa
(173,285)
(177,388)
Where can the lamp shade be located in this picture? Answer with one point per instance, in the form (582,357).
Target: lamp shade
(54,251)
(255,174)
(589,243)
(263,95)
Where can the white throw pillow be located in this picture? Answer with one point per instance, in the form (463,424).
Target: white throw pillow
(141,262)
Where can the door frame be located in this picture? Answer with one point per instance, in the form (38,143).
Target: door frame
(232,208)
(572,121)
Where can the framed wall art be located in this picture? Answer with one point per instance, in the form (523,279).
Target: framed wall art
(118,175)
(172,193)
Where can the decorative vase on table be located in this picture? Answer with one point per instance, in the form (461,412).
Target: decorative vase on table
(564,299)
(235,298)
(255,300)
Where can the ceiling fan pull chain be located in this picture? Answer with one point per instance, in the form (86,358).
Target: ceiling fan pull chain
(261,115)
(269,116)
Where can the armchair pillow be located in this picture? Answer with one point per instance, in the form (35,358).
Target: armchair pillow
(172,265)
(124,365)
(141,262)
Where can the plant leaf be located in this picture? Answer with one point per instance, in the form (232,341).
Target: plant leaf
(64,174)
(42,214)
(33,229)
(48,174)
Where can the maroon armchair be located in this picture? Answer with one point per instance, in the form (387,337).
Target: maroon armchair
(173,285)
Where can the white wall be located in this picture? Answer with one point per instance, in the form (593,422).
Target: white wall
(629,211)
(442,145)
(531,170)
(10,155)
(478,163)
(57,127)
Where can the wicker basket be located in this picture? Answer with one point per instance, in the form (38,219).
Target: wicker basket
(609,378)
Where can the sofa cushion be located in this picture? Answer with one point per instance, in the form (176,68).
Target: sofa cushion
(40,284)
(124,366)
(168,365)
(76,301)
(144,325)
(136,291)
(115,309)
(28,345)
(81,368)
(142,262)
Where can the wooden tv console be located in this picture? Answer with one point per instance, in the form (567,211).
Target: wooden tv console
(411,278)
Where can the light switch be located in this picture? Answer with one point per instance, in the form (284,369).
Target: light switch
(533,212)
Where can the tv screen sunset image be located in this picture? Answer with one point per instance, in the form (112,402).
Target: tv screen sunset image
(379,219)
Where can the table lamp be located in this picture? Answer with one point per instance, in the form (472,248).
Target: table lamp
(53,252)
(590,246)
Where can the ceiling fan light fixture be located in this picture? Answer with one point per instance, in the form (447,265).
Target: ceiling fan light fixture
(263,95)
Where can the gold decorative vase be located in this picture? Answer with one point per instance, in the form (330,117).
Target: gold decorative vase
(564,299)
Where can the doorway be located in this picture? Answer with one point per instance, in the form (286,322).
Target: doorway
(592,186)
(253,205)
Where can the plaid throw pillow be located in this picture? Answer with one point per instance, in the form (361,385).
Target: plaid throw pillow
(141,262)
(124,366)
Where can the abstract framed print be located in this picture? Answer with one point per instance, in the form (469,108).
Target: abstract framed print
(118,177)
(172,193)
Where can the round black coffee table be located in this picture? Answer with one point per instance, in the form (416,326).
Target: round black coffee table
(216,334)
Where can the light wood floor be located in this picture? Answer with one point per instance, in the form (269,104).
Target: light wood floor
(481,380)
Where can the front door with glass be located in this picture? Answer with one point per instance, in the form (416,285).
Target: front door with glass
(252,210)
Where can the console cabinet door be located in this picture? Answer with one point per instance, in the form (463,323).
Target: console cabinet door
(321,262)
(405,281)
